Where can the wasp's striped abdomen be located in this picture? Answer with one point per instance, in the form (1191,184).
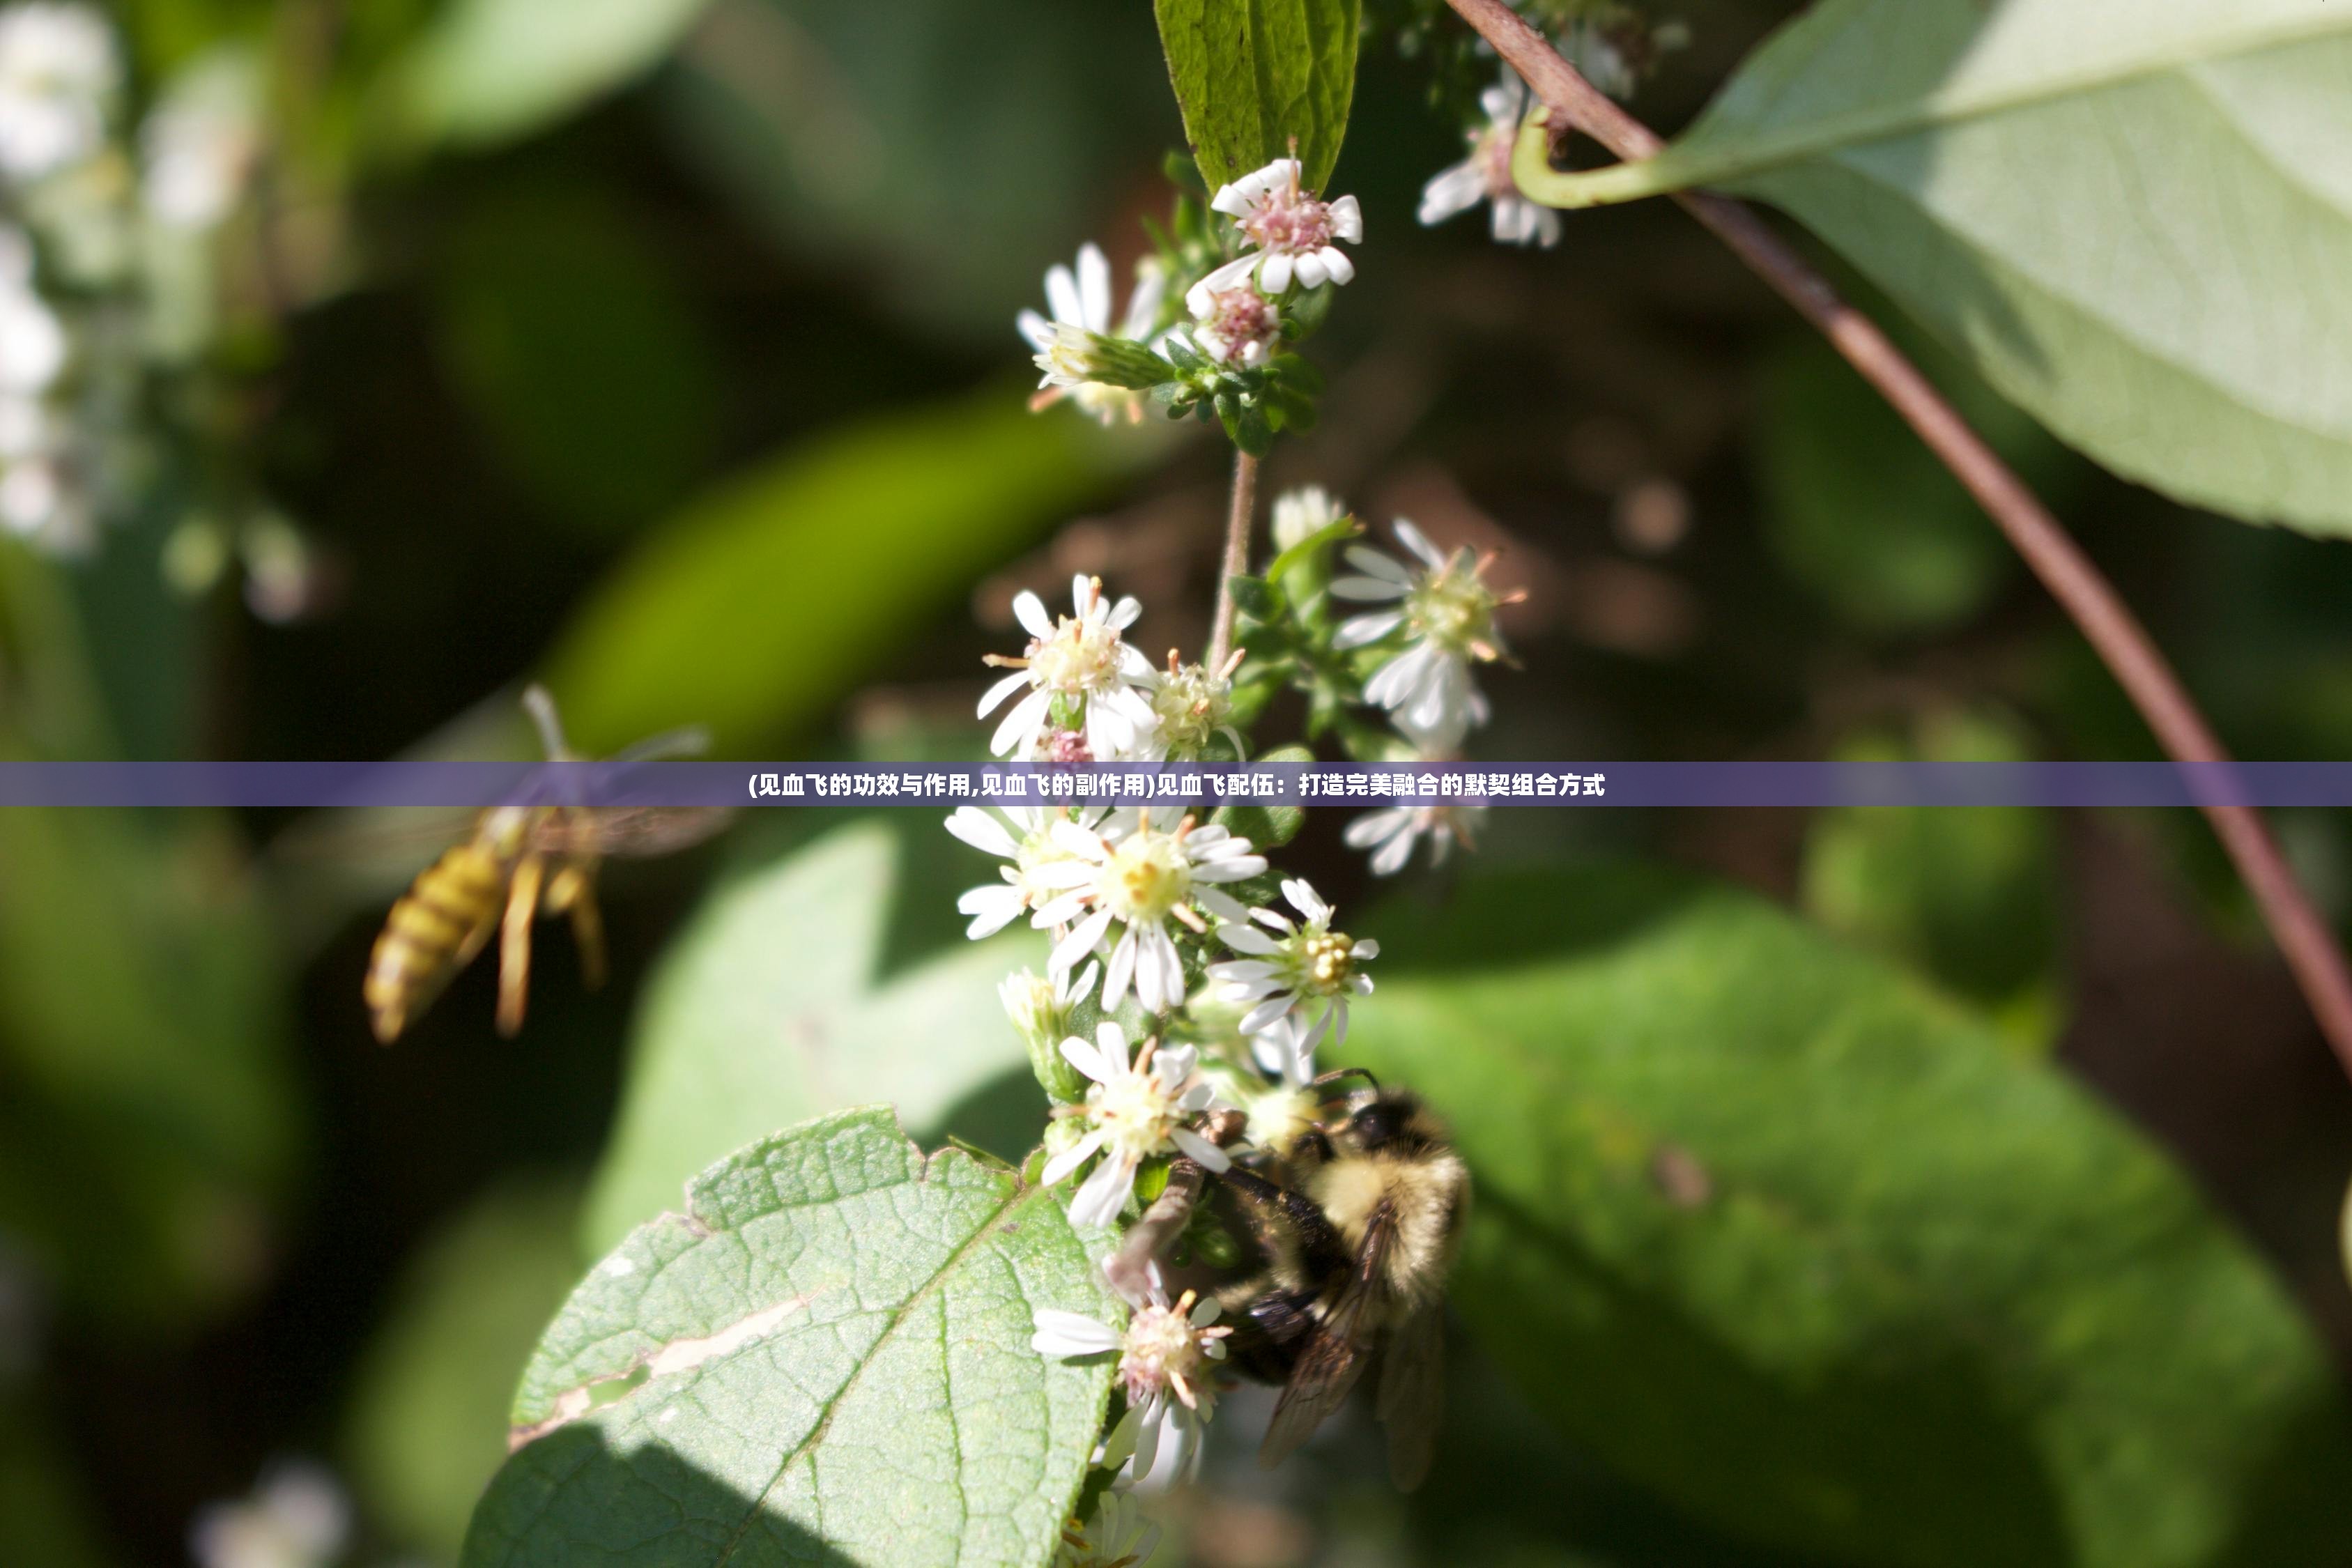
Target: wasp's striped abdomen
(433,931)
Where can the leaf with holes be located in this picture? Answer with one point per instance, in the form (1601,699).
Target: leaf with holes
(825,1359)
(2134,215)
(1250,75)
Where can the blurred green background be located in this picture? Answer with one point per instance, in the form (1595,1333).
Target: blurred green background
(664,350)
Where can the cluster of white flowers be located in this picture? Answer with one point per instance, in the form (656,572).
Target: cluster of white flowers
(104,256)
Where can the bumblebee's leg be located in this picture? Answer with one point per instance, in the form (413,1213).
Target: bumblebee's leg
(1129,1268)
(1320,1249)
(573,891)
(514,944)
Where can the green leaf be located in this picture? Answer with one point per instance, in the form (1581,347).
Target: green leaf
(1266,826)
(1797,1244)
(756,608)
(2134,219)
(427,1424)
(1969,895)
(1252,74)
(825,1359)
(494,70)
(770,1008)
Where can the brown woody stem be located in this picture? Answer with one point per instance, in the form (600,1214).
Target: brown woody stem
(2085,595)
(1235,562)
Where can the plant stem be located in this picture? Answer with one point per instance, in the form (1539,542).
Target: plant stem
(2120,640)
(1238,518)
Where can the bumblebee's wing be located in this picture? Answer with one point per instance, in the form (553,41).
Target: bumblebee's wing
(1336,1353)
(1412,1394)
(634,831)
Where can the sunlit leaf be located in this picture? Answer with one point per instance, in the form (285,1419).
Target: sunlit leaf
(824,1358)
(2133,215)
(1251,75)
(755,609)
(1800,1246)
(491,70)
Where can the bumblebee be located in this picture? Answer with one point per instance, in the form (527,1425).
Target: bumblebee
(520,860)
(1355,1223)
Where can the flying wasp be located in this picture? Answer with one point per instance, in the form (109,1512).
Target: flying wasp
(518,862)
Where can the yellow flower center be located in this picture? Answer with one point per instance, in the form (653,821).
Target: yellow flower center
(1327,959)
(1082,655)
(1147,877)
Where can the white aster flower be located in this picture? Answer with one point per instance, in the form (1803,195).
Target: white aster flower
(1142,877)
(33,344)
(1040,1005)
(58,75)
(1447,613)
(1117,1536)
(1392,833)
(1304,962)
(298,1518)
(1082,664)
(1081,303)
(1134,1110)
(1023,836)
(1190,705)
(1167,1357)
(1290,233)
(1236,326)
(1485,175)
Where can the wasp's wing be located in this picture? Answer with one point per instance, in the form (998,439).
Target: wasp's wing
(636,832)
(1412,1394)
(1334,1354)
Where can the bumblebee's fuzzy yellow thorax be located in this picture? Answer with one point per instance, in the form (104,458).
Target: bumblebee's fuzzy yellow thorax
(1424,1195)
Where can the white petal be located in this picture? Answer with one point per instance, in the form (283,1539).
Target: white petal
(1207,1154)
(1305,899)
(1124,613)
(1162,968)
(1312,274)
(1263,1016)
(1072,840)
(1078,944)
(1071,1158)
(1110,1039)
(1374,828)
(1102,1196)
(1022,723)
(1000,691)
(1348,220)
(1365,951)
(1391,857)
(1037,328)
(1242,970)
(1335,261)
(1081,1055)
(1094,287)
(1062,297)
(1355,631)
(1364,558)
(1230,870)
(1229,276)
(1229,200)
(1413,539)
(982,831)
(992,908)
(1449,192)
(1245,939)
(1223,906)
(1061,1333)
(1030,611)
(1121,969)
(1274,276)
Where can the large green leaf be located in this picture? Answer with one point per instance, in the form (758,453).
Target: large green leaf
(1251,75)
(2135,215)
(1793,1241)
(755,609)
(491,70)
(770,1008)
(825,1359)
